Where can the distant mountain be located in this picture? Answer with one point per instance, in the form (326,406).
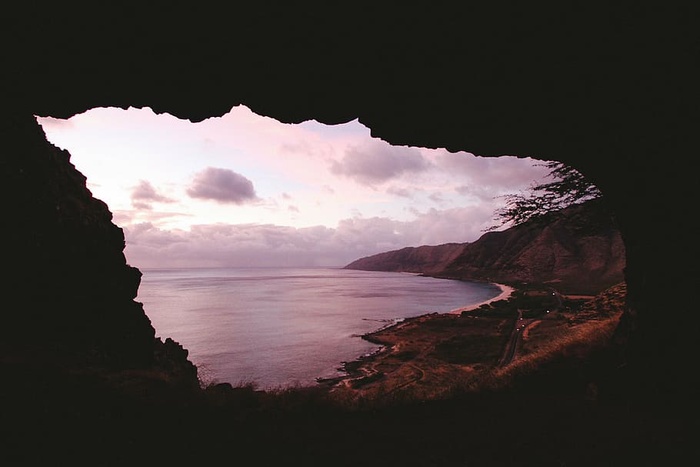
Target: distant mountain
(576,250)
(423,259)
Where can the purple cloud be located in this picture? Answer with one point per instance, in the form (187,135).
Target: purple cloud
(377,161)
(463,190)
(143,194)
(400,192)
(436,197)
(145,191)
(223,186)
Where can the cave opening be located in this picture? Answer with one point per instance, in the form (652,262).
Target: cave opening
(245,191)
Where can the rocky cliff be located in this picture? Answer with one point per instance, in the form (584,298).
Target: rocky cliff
(577,250)
(69,298)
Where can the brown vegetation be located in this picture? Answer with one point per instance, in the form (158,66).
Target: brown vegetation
(439,355)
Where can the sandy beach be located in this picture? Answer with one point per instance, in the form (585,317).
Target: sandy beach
(506,292)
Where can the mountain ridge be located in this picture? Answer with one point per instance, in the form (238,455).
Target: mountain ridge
(577,250)
(425,259)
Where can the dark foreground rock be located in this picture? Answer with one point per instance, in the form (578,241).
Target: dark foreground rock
(67,290)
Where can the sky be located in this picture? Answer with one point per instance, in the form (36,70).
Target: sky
(243,190)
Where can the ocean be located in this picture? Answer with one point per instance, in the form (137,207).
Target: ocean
(282,327)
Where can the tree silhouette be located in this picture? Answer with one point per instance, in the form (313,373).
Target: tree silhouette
(569,187)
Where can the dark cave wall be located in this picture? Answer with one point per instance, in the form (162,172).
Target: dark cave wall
(610,91)
(68,289)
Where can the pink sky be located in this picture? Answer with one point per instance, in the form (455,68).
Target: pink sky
(246,190)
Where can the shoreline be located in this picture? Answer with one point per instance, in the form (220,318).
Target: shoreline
(506,292)
(423,355)
(356,368)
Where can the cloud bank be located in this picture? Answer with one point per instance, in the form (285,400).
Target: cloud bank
(266,245)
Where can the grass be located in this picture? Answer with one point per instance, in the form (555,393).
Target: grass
(562,344)
(441,356)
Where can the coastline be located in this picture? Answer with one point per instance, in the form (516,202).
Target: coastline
(428,356)
(362,368)
(506,292)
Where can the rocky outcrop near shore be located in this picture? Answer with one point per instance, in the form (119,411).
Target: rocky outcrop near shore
(576,250)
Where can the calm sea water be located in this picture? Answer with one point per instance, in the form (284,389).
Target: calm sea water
(279,327)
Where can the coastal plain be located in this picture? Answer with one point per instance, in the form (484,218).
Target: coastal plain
(436,356)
